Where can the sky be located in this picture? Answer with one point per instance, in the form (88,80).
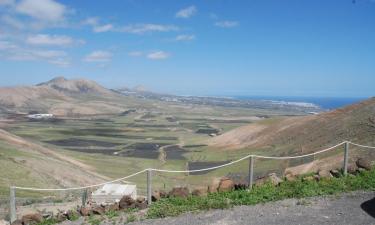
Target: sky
(206,47)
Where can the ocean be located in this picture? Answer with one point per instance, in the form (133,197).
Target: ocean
(327,103)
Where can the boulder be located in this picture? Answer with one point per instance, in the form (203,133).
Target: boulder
(240,185)
(352,168)
(179,192)
(3,222)
(324,173)
(60,217)
(212,188)
(155,196)
(127,202)
(335,173)
(272,178)
(363,163)
(163,194)
(98,210)
(225,184)
(85,211)
(141,205)
(200,192)
(17,222)
(112,207)
(290,177)
(35,218)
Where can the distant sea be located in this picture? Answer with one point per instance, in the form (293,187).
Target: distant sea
(324,102)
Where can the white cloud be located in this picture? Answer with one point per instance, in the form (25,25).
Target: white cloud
(6,45)
(145,28)
(98,56)
(91,21)
(185,37)
(12,51)
(226,24)
(135,53)
(45,10)
(10,21)
(186,12)
(62,62)
(96,26)
(158,55)
(103,28)
(45,39)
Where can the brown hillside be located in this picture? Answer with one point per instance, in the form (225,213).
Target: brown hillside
(54,169)
(355,122)
(61,97)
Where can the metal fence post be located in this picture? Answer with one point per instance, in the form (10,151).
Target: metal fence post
(84,197)
(12,205)
(251,171)
(149,188)
(346,158)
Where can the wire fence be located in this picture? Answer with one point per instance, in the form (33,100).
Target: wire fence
(156,178)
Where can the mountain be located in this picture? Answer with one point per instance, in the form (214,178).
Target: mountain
(61,97)
(77,86)
(305,133)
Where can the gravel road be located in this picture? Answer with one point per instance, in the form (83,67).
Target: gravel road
(357,208)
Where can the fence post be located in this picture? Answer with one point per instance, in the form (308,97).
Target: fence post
(12,205)
(84,197)
(149,188)
(251,171)
(346,158)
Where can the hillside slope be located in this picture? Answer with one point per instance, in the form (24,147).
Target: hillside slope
(355,122)
(61,97)
(26,163)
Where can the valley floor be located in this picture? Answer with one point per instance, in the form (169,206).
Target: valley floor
(350,208)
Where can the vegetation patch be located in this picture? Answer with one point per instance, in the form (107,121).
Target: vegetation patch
(82,143)
(299,188)
(175,152)
(203,165)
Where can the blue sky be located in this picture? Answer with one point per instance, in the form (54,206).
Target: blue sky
(208,47)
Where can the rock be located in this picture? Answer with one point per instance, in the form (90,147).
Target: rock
(363,163)
(112,207)
(240,185)
(179,192)
(126,202)
(324,173)
(3,222)
(163,194)
(272,178)
(352,169)
(335,173)
(200,192)
(17,222)
(85,211)
(60,217)
(155,196)
(212,188)
(225,184)
(141,205)
(98,210)
(290,177)
(35,218)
